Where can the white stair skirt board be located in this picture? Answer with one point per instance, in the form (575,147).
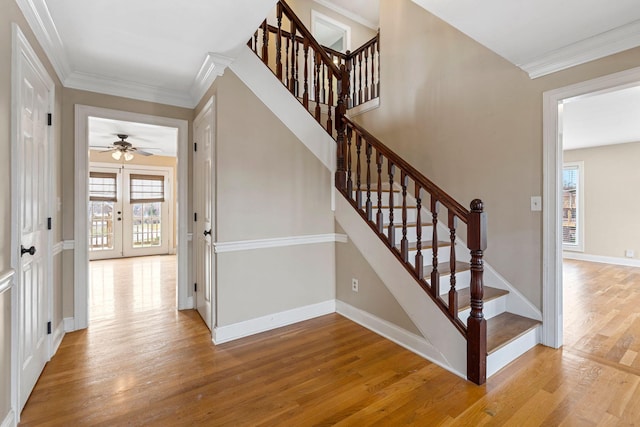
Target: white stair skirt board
(450,347)
(266,86)
(510,352)
(222,334)
(412,342)
(9,420)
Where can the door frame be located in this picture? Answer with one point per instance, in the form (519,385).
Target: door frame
(552,314)
(208,109)
(21,47)
(81,201)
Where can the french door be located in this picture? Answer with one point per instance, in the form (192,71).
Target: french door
(129,212)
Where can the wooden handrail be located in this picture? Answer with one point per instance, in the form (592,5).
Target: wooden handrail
(451,204)
(312,41)
(366,45)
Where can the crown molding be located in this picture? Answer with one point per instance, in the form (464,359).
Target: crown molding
(213,66)
(127,89)
(346,13)
(41,23)
(596,47)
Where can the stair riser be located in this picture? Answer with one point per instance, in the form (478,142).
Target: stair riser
(412,233)
(463,279)
(427,255)
(412,214)
(397,198)
(490,309)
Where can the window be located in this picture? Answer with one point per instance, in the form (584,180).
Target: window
(572,206)
(146,196)
(103,194)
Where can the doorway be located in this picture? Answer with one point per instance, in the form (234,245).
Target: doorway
(84,116)
(553,106)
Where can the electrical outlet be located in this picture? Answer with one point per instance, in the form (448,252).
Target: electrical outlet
(629,253)
(354,285)
(536,203)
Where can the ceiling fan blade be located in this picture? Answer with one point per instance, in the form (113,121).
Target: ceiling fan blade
(143,153)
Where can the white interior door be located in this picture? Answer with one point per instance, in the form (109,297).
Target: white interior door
(204,225)
(33,269)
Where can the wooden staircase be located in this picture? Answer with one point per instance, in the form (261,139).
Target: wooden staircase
(418,222)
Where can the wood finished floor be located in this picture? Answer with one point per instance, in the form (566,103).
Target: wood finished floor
(143,363)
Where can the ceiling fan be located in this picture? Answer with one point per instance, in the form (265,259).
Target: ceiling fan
(124,148)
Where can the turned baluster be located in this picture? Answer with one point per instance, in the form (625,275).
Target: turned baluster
(316,78)
(349,181)
(477,324)
(359,78)
(404,243)
(292,59)
(453,293)
(279,42)
(358,171)
(330,103)
(369,204)
(378,49)
(305,94)
(366,75)
(296,71)
(379,216)
(391,230)
(323,79)
(287,59)
(435,274)
(419,264)
(255,42)
(374,93)
(265,43)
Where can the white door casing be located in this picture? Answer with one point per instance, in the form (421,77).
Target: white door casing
(204,228)
(33,100)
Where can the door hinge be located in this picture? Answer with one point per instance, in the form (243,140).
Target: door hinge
(195,287)
(48,328)
(195,216)
(49,119)
(195,146)
(49,223)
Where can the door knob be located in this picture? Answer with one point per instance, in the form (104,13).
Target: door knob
(30,251)
(207,232)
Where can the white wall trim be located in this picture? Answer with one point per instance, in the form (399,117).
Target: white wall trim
(81,200)
(348,14)
(552,172)
(39,19)
(245,245)
(213,66)
(592,48)
(69,324)
(222,334)
(317,16)
(57,248)
(628,262)
(9,420)
(68,245)
(412,342)
(371,104)
(6,280)
(58,335)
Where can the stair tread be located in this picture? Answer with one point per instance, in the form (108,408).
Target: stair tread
(410,224)
(426,244)
(444,268)
(464,296)
(506,327)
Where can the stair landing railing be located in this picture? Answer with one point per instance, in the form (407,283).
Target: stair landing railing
(321,79)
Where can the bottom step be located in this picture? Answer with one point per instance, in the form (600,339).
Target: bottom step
(506,327)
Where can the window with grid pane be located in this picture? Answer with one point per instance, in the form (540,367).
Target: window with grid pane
(103,193)
(571,214)
(146,188)
(103,187)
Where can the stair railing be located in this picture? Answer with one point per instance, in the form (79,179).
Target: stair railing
(318,76)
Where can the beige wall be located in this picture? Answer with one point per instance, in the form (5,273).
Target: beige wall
(12,14)
(372,296)
(72,97)
(268,185)
(611,174)
(472,122)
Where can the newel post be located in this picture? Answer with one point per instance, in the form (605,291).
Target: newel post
(340,112)
(477,324)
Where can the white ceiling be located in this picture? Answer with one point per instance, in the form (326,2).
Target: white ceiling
(168,51)
(158,140)
(602,119)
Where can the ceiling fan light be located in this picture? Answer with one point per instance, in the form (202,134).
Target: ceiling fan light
(116,155)
(128,156)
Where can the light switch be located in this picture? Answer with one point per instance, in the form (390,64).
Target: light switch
(536,203)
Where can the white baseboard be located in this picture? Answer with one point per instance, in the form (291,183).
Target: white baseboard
(402,337)
(69,324)
(222,334)
(58,335)
(9,420)
(629,262)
